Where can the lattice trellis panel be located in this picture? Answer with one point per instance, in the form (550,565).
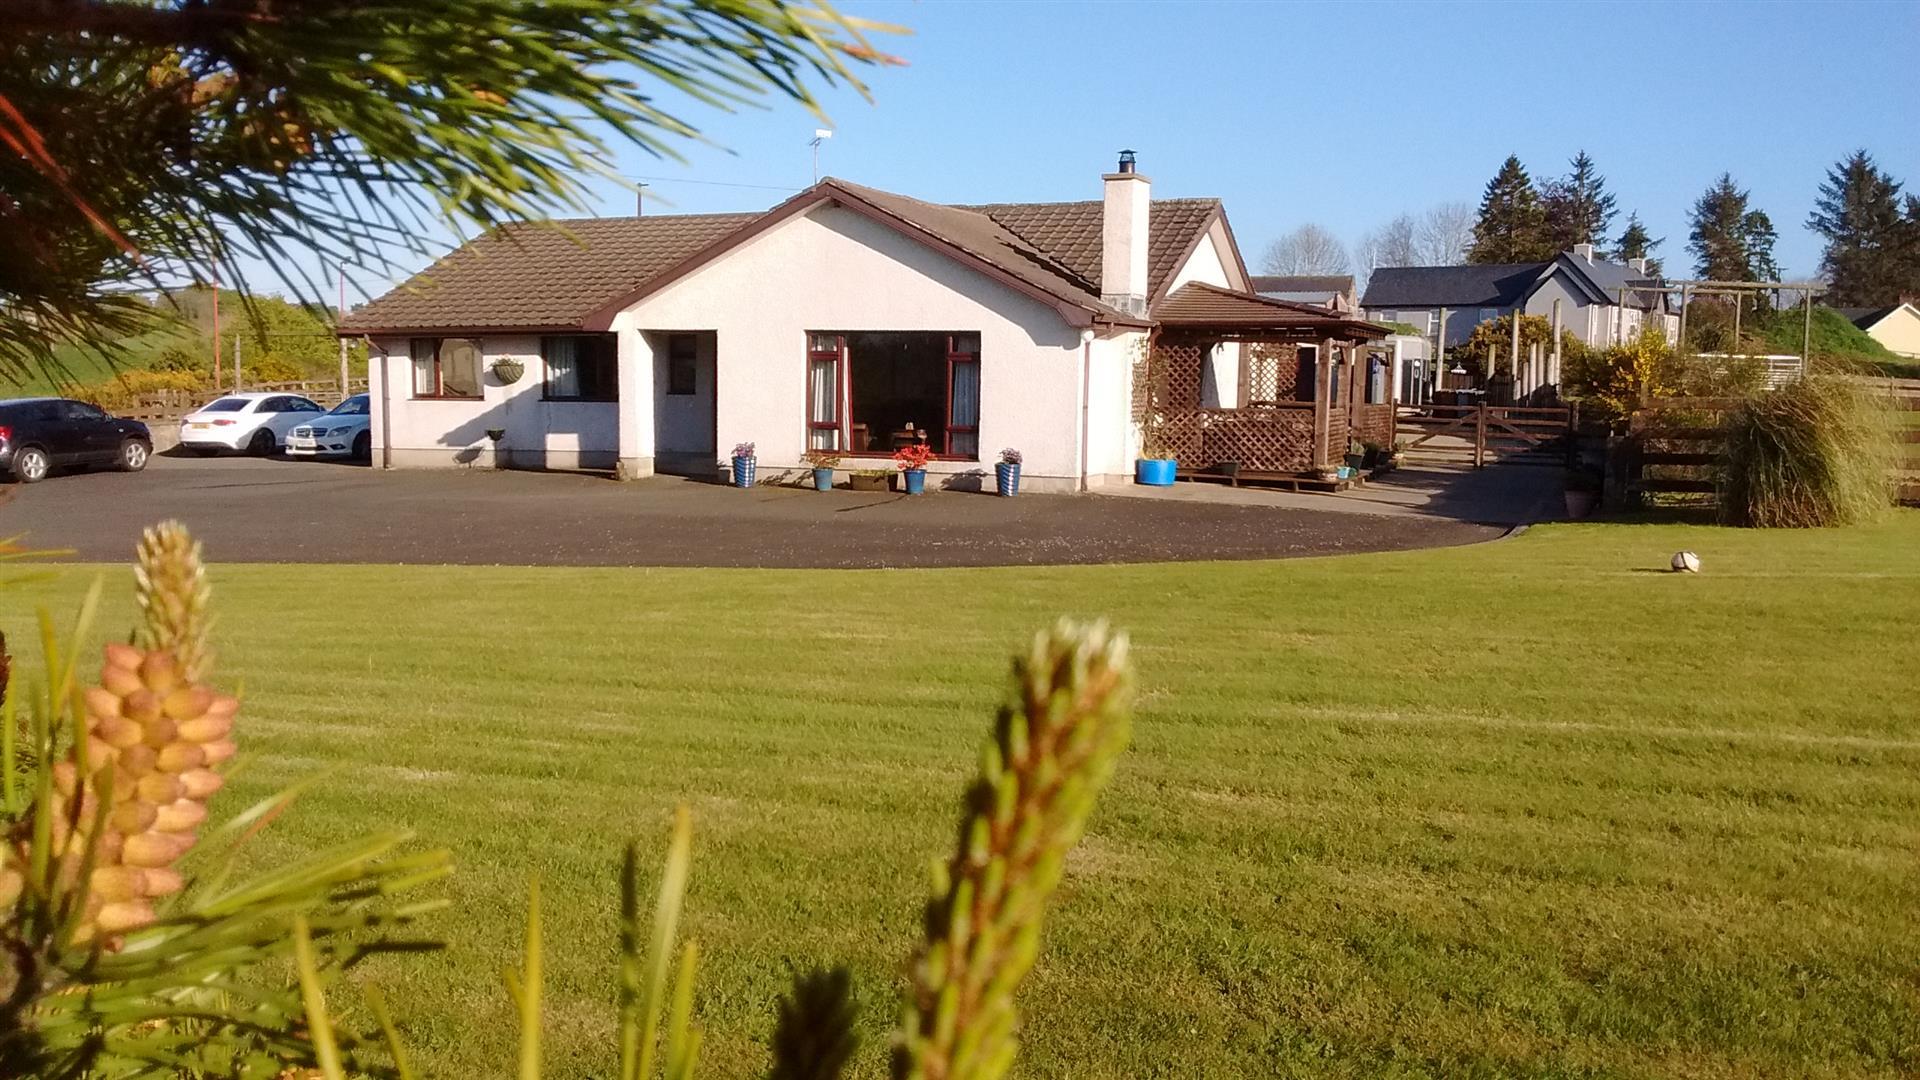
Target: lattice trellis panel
(1270,372)
(1374,424)
(1179,369)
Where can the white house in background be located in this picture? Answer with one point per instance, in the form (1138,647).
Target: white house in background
(1897,327)
(1596,299)
(844,319)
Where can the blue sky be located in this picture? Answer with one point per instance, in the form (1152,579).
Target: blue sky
(1342,114)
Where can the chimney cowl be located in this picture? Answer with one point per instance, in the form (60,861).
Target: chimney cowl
(1126,161)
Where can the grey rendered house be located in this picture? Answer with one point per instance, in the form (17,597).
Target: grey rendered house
(1331,291)
(1593,298)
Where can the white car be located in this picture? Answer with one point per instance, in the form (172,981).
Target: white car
(344,432)
(255,422)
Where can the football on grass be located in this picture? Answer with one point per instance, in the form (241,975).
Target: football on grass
(1686,562)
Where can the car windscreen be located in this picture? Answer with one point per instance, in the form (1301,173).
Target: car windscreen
(353,406)
(226,404)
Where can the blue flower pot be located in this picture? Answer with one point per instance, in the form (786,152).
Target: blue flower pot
(743,472)
(1155,472)
(823,479)
(1006,477)
(916,480)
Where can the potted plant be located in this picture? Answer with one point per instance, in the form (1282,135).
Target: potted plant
(743,465)
(1399,457)
(912,460)
(1154,470)
(823,462)
(1326,474)
(1356,456)
(508,370)
(869,479)
(1006,474)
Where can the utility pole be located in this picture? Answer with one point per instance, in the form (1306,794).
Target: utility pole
(338,327)
(216,330)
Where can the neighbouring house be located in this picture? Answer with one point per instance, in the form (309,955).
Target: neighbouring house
(1333,291)
(1897,327)
(854,321)
(1589,296)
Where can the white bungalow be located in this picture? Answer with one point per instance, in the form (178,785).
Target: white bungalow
(844,319)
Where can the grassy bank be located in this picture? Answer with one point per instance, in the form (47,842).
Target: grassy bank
(1524,809)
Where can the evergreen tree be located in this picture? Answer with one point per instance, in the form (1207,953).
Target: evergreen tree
(1729,240)
(1636,243)
(1578,206)
(1868,258)
(1512,226)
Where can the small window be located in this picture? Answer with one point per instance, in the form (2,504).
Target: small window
(682,366)
(1488,314)
(581,367)
(446,367)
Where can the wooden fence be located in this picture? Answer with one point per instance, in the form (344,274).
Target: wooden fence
(164,405)
(1672,447)
(1477,434)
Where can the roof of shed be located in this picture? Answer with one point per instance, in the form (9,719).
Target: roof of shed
(1199,305)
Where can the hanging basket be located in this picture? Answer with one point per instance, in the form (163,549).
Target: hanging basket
(508,371)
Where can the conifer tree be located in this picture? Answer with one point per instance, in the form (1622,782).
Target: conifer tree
(1578,206)
(1869,257)
(1637,243)
(1512,226)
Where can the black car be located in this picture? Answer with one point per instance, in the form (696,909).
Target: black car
(39,435)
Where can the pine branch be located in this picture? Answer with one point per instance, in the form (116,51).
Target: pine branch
(1053,748)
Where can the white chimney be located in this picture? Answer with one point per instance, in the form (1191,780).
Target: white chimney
(1123,238)
(1638,266)
(1583,251)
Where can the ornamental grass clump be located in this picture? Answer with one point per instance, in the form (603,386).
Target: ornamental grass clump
(1811,454)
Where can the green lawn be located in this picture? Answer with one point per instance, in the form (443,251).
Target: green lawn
(1522,809)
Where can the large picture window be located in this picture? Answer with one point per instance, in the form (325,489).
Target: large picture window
(446,367)
(874,392)
(581,367)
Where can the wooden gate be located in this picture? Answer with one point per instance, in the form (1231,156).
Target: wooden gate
(1478,434)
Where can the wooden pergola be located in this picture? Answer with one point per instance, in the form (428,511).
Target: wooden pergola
(1300,392)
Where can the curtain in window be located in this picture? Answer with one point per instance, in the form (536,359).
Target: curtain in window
(964,411)
(563,366)
(424,382)
(823,404)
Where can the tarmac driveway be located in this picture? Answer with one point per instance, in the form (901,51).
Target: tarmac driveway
(270,510)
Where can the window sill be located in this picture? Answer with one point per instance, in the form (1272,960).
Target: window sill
(446,397)
(582,400)
(887,455)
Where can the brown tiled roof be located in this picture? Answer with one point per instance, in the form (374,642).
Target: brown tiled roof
(1313,283)
(1070,232)
(1196,304)
(558,275)
(541,275)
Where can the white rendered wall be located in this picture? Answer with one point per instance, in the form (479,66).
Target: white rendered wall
(538,433)
(835,270)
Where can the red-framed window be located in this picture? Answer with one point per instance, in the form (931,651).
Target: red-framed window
(826,392)
(963,395)
(445,367)
(839,388)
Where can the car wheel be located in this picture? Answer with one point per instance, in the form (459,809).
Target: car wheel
(363,446)
(134,454)
(262,443)
(31,465)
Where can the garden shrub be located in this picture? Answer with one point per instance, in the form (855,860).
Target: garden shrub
(1813,453)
